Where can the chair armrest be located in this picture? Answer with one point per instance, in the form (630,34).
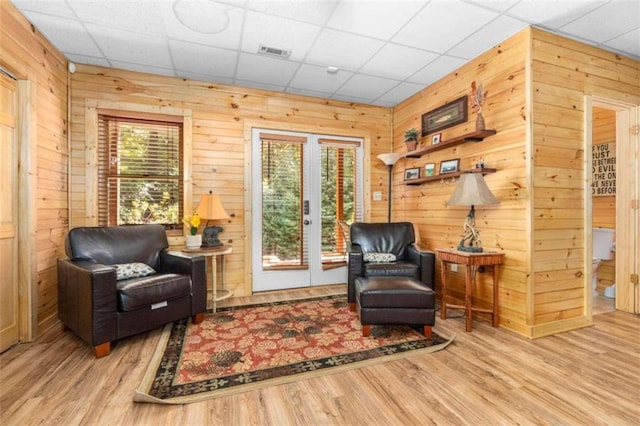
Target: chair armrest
(196,267)
(355,270)
(87,301)
(427,262)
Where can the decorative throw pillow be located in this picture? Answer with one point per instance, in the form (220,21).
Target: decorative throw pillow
(379,257)
(133,270)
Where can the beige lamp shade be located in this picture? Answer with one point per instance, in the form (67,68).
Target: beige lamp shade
(389,158)
(472,190)
(210,208)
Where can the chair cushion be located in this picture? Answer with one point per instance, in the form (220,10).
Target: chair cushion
(132,270)
(402,269)
(136,293)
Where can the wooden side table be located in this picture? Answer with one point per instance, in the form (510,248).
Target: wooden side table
(471,261)
(213,254)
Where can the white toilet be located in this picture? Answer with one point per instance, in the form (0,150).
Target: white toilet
(603,247)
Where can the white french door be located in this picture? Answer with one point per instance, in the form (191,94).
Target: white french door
(303,184)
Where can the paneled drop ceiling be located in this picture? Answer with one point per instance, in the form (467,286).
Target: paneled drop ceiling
(384,50)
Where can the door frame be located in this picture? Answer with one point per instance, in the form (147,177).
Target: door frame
(314,274)
(27,181)
(246,288)
(626,143)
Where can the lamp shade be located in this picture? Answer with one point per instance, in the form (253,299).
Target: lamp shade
(210,208)
(389,158)
(472,190)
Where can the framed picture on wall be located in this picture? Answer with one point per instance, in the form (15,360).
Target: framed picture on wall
(413,173)
(435,139)
(450,166)
(430,169)
(445,116)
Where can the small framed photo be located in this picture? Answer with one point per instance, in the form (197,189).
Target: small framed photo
(430,169)
(413,173)
(435,139)
(450,166)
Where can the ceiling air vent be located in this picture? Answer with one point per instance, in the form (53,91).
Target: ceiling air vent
(274,51)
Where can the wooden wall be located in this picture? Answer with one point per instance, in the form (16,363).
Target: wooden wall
(222,117)
(503,227)
(27,54)
(537,84)
(563,72)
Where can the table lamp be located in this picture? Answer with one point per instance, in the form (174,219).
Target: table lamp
(389,159)
(210,208)
(472,191)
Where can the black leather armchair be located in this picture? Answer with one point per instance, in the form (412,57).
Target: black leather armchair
(106,290)
(395,238)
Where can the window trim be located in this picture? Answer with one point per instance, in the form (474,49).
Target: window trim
(93,108)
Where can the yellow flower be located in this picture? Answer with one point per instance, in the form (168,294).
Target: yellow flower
(193,221)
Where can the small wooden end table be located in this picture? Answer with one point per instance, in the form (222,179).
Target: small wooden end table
(471,261)
(213,254)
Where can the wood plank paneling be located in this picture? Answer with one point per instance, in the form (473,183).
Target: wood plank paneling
(563,72)
(220,116)
(42,72)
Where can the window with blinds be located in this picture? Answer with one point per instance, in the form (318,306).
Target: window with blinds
(140,168)
(284,245)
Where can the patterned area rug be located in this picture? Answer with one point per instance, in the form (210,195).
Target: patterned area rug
(243,348)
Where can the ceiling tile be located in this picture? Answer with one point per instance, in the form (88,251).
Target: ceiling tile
(204,60)
(436,70)
(343,50)
(497,5)
(629,42)
(366,86)
(135,16)
(312,11)
(400,93)
(606,22)
(271,71)
(379,19)
(227,39)
(48,7)
(69,36)
(272,31)
(398,62)
(486,37)
(311,77)
(443,24)
(143,68)
(116,45)
(552,13)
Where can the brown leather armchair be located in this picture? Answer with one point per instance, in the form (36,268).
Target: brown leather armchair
(120,281)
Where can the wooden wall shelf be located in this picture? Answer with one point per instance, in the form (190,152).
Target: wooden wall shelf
(445,176)
(476,136)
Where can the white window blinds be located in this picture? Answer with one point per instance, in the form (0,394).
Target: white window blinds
(140,171)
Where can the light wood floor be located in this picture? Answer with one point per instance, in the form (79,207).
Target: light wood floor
(487,377)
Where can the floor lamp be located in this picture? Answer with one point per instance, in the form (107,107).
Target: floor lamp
(389,159)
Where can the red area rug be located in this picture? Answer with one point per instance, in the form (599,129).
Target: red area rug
(247,347)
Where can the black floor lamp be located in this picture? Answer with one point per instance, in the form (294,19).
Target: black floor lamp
(389,159)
